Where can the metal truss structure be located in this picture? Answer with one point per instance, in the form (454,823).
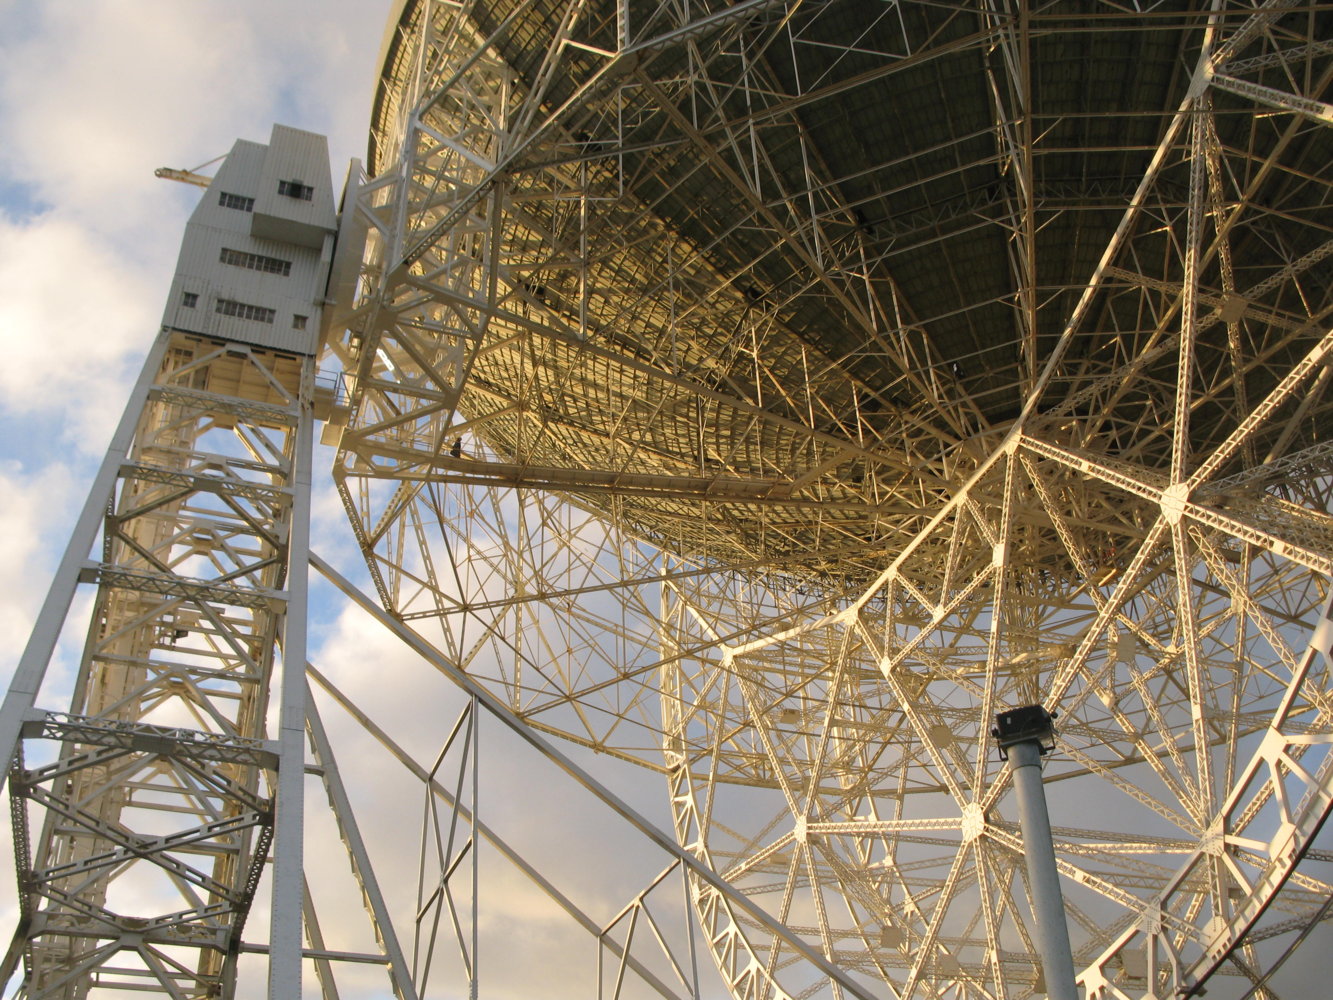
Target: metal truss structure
(764,396)
(769,393)
(143,816)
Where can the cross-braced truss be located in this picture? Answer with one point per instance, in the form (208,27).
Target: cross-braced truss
(142,835)
(792,386)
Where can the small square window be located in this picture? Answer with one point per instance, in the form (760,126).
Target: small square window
(189,299)
(298,322)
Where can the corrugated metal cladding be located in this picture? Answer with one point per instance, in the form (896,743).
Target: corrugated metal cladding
(295,200)
(254,262)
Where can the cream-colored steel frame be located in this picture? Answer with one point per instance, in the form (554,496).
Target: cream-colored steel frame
(1177,620)
(141,844)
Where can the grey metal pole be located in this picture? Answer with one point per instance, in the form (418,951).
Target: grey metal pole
(1057,961)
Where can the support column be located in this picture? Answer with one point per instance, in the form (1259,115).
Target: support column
(285,935)
(1024,735)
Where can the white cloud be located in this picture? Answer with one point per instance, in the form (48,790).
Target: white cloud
(94,97)
(97,95)
(26,552)
(75,319)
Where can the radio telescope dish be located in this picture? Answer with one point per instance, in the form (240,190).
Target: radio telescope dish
(771,393)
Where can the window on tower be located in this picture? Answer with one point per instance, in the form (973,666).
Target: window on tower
(230,307)
(189,299)
(295,189)
(256,262)
(228,200)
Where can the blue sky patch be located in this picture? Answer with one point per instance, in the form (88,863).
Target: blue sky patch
(19,202)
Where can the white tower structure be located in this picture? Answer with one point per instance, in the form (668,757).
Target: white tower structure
(145,810)
(764,396)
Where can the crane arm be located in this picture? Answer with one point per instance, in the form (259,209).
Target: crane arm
(185,176)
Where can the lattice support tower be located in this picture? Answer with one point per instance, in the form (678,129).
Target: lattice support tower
(147,807)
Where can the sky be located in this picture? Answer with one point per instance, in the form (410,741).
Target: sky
(94,95)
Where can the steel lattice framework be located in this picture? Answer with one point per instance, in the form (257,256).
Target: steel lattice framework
(789,387)
(157,813)
(766,395)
